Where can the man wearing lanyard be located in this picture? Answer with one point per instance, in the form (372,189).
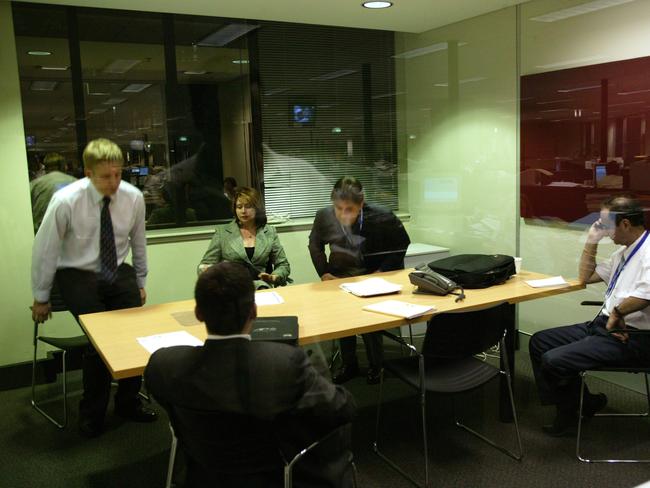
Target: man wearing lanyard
(82,244)
(362,239)
(559,354)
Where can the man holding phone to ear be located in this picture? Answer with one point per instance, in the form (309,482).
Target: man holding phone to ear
(558,355)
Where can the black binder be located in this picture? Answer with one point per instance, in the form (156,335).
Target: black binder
(282,328)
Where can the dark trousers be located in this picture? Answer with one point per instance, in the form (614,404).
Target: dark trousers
(558,356)
(374,349)
(83,293)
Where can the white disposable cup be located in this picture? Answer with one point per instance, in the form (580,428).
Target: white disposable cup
(517,265)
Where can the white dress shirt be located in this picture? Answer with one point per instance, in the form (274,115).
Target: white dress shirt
(69,234)
(634,281)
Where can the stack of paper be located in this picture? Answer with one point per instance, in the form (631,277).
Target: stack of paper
(371,287)
(399,308)
(552,281)
(268,298)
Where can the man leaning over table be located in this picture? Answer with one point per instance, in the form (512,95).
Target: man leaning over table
(558,355)
(362,239)
(81,246)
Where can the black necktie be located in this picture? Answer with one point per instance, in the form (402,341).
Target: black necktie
(107,252)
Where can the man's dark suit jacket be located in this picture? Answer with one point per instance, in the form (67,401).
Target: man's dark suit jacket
(378,242)
(236,404)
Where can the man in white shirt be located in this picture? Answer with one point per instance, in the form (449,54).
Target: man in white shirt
(81,246)
(559,354)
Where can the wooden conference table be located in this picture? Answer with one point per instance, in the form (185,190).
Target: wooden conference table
(324,311)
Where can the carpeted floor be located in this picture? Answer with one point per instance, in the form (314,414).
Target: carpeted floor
(35,453)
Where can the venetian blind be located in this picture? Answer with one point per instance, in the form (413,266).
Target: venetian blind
(328,110)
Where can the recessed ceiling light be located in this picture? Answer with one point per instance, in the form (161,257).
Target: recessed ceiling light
(114,101)
(194,72)
(377,4)
(226,34)
(121,66)
(39,53)
(240,61)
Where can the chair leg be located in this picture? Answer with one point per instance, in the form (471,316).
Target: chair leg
(172,460)
(645,414)
(375,445)
(37,407)
(515,455)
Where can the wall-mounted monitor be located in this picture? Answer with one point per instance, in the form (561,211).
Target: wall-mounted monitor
(302,114)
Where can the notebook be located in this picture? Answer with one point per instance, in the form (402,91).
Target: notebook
(371,287)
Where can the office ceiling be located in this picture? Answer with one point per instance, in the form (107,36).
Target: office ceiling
(403,16)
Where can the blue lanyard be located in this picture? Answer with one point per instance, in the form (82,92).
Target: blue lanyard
(622,264)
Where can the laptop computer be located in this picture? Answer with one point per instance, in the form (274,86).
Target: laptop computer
(283,328)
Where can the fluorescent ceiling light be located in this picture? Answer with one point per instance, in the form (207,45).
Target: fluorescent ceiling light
(634,92)
(625,103)
(386,95)
(114,101)
(61,118)
(377,4)
(94,92)
(39,53)
(226,34)
(334,74)
(580,88)
(97,111)
(121,66)
(421,51)
(585,8)
(275,91)
(570,62)
(240,61)
(191,73)
(136,87)
(555,101)
(43,85)
(554,110)
(55,68)
(462,82)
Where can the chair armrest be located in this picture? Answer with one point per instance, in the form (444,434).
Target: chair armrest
(304,451)
(400,341)
(592,303)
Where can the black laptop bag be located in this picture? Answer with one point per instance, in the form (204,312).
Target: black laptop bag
(475,270)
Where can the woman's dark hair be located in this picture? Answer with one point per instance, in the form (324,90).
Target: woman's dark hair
(625,206)
(252,196)
(347,188)
(225,296)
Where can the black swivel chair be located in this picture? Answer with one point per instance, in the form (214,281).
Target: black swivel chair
(221,448)
(66,345)
(447,365)
(643,369)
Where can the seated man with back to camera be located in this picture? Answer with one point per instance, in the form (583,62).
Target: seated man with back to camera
(558,355)
(362,239)
(236,404)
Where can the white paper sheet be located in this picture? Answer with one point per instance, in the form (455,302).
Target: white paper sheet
(371,287)
(180,338)
(399,308)
(268,298)
(552,281)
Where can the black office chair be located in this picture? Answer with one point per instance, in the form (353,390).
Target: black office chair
(643,369)
(66,345)
(447,365)
(214,443)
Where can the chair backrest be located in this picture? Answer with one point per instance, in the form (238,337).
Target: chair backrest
(457,335)
(223,447)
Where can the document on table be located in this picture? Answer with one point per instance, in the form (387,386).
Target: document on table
(552,281)
(268,298)
(371,287)
(398,308)
(180,338)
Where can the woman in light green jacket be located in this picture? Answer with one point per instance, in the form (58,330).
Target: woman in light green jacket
(248,240)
